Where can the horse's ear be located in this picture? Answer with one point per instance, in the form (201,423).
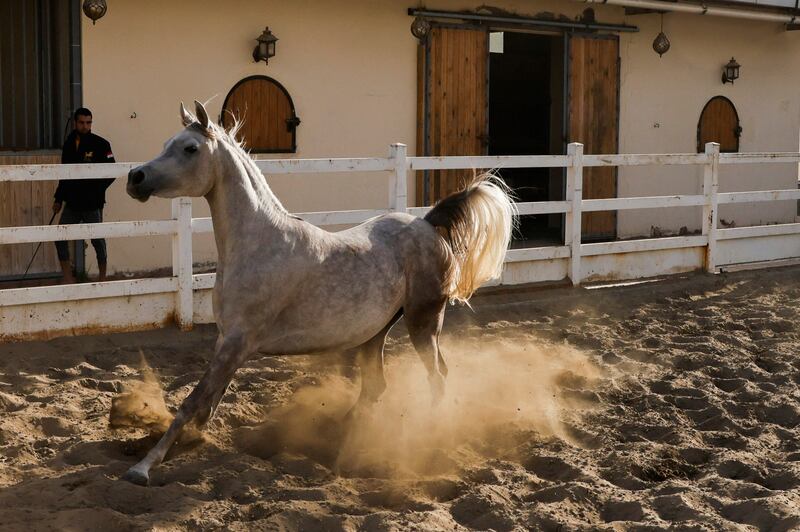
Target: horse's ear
(186,118)
(202,115)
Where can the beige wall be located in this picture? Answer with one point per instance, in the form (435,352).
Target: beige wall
(350,67)
(350,70)
(671,91)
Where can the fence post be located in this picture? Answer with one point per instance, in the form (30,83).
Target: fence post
(711,207)
(398,181)
(574,195)
(182,262)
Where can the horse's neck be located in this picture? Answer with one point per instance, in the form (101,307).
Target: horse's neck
(243,207)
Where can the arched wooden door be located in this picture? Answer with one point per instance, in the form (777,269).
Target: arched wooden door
(719,122)
(267,112)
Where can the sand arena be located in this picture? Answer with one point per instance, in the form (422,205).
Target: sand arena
(668,404)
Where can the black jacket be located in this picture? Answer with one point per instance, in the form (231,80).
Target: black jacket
(84,194)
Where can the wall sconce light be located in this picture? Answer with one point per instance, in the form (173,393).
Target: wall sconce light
(265,47)
(731,71)
(95,9)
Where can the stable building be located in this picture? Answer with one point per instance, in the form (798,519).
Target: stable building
(445,77)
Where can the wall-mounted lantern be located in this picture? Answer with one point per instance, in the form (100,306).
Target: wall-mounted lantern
(95,9)
(420,28)
(731,71)
(265,47)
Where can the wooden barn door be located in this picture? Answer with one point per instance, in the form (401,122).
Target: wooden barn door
(719,122)
(593,81)
(453,113)
(27,203)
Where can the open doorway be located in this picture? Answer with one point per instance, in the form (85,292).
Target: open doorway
(526,117)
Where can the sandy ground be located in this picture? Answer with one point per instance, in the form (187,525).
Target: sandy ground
(662,405)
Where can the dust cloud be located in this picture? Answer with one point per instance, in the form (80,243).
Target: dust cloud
(141,403)
(495,392)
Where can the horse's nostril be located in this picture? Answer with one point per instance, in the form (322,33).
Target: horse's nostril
(137,177)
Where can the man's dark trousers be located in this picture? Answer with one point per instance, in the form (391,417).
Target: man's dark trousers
(90,216)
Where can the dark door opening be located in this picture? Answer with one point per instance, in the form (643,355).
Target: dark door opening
(526,117)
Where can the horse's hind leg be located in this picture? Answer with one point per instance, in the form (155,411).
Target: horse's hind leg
(370,360)
(442,365)
(424,325)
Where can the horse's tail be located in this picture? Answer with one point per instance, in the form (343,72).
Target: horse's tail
(476,225)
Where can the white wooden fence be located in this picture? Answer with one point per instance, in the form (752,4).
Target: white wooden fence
(185,297)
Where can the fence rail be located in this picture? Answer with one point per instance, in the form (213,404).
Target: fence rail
(183,283)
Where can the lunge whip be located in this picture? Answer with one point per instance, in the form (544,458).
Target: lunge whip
(37,248)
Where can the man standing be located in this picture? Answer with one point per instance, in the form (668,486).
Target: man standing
(84,198)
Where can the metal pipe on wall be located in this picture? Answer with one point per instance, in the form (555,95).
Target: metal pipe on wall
(527,21)
(699,10)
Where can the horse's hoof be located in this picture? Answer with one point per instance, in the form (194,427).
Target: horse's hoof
(437,396)
(437,393)
(136,477)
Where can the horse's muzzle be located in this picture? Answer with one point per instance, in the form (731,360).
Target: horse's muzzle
(137,187)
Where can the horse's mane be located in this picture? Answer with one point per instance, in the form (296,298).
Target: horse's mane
(218,132)
(229,137)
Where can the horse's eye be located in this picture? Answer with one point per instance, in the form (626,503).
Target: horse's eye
(190,149)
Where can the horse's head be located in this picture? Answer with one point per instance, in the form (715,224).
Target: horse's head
(185,166)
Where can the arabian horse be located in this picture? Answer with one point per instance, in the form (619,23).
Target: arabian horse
(285,286)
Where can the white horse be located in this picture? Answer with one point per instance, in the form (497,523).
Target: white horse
(285,286)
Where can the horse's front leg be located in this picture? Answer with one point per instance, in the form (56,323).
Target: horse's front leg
(230,355)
